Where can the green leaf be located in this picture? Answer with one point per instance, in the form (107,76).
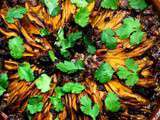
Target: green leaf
(57,118)
(52,55)
(60,37)
(136,38)
(35,104)
(16,12)
(25,72)
(112,102)
(123,73)
(59,92)
(86,40)
(130,74)
(43,83)
(133,23)
(82,17)
(85,101)
(4,80)
(65,53)
(66,43)
(63,43)
(53,7)
(16,47)
(56,100)
(79,64)
(56,11)
(80,3)
(124,31)
(56,103)
(73,37)
(44,32)
(109,4)
(131,64)
(132,79)
(138,4)
(94,112)
(104,73)
(129,26)
(72,87)
(70,67)
(108,39)
(2,90)
(87,108)
(91,49)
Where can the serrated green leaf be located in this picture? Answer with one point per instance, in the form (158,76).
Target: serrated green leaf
(57,103)
(85,101)
(43,83)
(62,41)
(131,64)
(129,74)
(136,38)
(2,90)
(129,26)
(16,12)
(4,80)
(69,66)
(82,17)
(107,37)
(59,92)
(53,7)
(80,3)
(87,108)
(66,43)
(25,72)
(132,79)
(16,47)
(104,73)
(124,31)
(94,112)
(138,4)
(72,87)
(80,64)
(91,49)
(109,4)
(112,102)
(123,72)
(65,53)
(60,37)
(35,104)
(73,37)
